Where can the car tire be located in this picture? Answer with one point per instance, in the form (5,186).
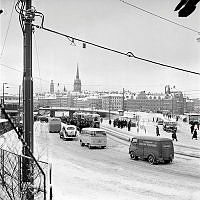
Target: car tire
(151,160)
(81,143)
(133,155)
(168,161)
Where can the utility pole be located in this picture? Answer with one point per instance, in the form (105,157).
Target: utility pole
(27,169)
(19,104)
(123,101)
(27,77)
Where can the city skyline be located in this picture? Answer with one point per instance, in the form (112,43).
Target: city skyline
(113,25)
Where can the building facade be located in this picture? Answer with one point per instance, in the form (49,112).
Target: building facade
(112,102)
(173,103)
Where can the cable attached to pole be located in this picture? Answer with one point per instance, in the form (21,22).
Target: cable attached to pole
(129,54)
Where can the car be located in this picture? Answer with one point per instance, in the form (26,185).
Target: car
(68,131)
(160,122)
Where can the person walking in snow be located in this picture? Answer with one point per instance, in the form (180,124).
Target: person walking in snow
(157,131)
(194,134)
(192,128)
(174,136)
(129,125)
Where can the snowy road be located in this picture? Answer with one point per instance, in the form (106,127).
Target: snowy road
(80,173)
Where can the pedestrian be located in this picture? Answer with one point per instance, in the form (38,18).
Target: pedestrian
(101,119)
(194,134)
(118,123)
(174,136)
(157,131)
(153,119)
(129,125)
(110,122)
(192,128)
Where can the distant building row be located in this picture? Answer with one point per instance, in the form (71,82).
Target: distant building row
(173,102)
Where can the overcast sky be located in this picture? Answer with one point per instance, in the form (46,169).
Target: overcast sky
(109,23)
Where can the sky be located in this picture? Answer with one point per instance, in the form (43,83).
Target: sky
(110,23)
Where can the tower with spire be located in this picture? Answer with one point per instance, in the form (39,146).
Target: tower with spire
(52,87)
(77,82)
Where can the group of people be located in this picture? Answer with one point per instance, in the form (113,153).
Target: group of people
(121,123)
(194,128)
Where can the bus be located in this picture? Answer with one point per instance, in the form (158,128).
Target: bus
(86,120)
(54,125)
(93,137)
(193,118)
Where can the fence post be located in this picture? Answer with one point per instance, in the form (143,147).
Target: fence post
(50,175)
(2,166)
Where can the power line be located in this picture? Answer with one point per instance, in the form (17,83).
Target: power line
(158,16)
(129,54)
(7,66)
(4,43)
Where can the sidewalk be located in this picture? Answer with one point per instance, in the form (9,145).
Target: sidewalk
(183,133)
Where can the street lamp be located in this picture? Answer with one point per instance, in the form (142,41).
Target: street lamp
(3,92)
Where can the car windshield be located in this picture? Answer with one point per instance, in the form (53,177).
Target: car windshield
(70,128)
(166,144)
(98,133)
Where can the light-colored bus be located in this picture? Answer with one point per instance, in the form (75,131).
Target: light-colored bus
(54,125)
(93,137)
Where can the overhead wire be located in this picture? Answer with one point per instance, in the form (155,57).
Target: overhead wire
(44,80)
(129,54)
(9,23)
(158,16)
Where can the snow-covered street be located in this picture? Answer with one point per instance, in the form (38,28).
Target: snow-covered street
(82,173)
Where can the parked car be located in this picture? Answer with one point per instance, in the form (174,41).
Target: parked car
(68,131)
(170,126)
(153,149)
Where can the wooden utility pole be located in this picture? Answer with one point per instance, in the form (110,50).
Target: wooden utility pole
(27,77)
(19,104)
(123,101)
(27,170)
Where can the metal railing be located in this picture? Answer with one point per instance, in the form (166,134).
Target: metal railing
(12,185)
(21,177)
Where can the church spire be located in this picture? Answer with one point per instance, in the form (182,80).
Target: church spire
(77,73)
(77,82)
